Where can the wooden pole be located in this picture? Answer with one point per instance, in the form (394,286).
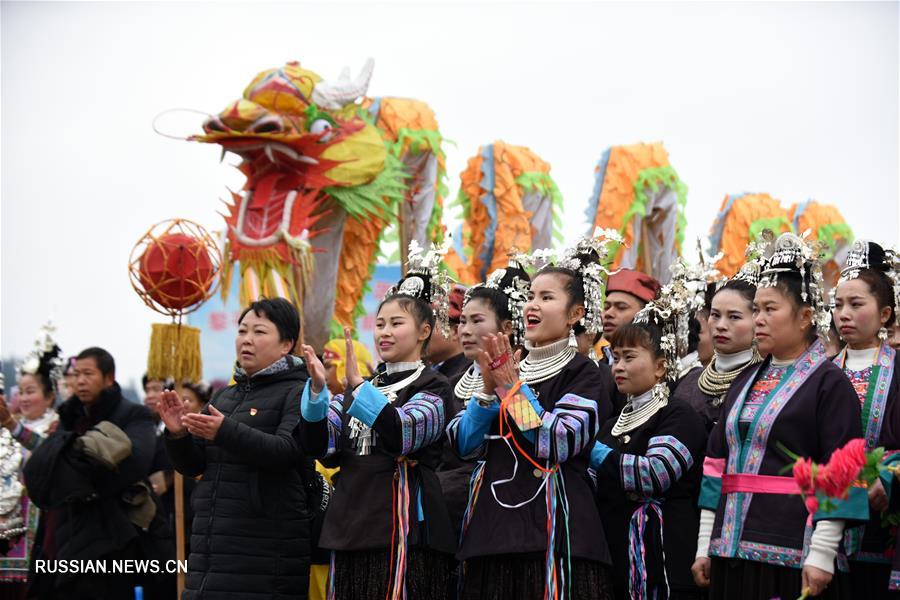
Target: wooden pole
(179,527)
(179,514)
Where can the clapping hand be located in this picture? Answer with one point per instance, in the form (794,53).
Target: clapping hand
(316,369)
(354,379)
(504,364)
(171,410)
(204,426)
(499,367)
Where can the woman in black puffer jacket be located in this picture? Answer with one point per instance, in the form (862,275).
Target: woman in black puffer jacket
(250,537)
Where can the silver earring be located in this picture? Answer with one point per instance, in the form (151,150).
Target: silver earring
(572,341)
(754,345)
(883,334)
(660,392)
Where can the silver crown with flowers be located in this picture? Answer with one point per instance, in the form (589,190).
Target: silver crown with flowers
(698,276)
(515,289)
(672,311)
(755,258)
(790,253)
(859,258)
(593,270)
(44,354)
(426,280)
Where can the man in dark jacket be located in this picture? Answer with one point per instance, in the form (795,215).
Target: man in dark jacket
(88,479)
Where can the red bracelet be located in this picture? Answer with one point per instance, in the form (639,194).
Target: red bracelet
(499,361)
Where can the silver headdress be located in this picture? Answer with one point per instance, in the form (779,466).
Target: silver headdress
(672,311)
(45,358)
(427,281)
(700,276)
(754,259)
(590,258)
(513,282)
(797,254)
(869,255)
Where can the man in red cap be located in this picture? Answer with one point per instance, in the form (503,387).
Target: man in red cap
(446,354)
(627,292)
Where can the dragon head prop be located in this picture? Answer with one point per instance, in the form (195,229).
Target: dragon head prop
(292,128)
(325,177)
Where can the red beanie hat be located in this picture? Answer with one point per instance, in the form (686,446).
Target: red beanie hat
(639,285)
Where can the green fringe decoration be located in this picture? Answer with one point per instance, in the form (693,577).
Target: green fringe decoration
(386,192)
(830,233)
(375,198)
(775,223)
(431,141)
(392,196)
(651,180)
(418,139)
(464,202)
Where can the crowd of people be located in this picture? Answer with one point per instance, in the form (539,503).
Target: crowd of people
(556,431)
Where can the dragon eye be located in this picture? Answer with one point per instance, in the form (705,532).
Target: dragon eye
(267,125)
(321,126)
(214,124)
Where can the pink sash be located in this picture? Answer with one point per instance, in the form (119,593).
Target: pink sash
(758,484)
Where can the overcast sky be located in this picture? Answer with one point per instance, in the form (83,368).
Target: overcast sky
(797,100)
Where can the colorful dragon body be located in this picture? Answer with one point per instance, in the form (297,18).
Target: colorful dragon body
(509,203)
(330,171)
(326,176)
(742,217)
(825,224)
(639,194)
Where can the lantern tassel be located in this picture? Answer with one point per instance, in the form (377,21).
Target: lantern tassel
(174,353)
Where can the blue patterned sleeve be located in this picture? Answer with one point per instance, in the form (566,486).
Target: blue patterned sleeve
(676,445)
(28,438)
(402,430)
(664,463)
(320,422)
(467,429)
(566,430)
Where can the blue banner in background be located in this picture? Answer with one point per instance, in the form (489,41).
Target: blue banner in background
(217,322)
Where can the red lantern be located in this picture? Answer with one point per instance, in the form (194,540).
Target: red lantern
(174,266)
(176,271)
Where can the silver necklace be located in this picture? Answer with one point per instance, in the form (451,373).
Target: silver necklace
(630,419)
(362,434)
(468,385)
(550,361)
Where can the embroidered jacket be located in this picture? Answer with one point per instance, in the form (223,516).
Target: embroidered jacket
(570,417)
(810,409)
(645,476)
(877,389)
(407,449)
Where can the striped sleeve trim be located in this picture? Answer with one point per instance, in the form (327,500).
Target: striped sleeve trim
(335,423)
(568,428)
(422,421)
(665,462)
